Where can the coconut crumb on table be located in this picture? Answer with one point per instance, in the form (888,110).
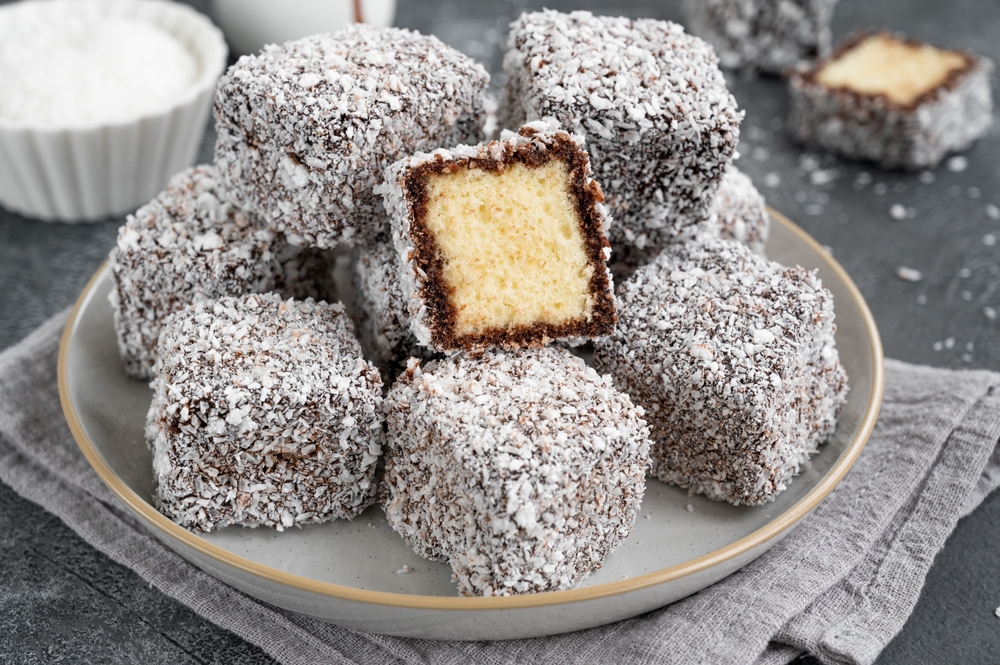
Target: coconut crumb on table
(909,274)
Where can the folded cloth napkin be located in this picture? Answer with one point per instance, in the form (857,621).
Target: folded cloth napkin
(839,586)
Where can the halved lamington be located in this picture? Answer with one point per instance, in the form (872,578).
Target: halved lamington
(522,469)
(502,245)
(765,35)
(190,243)
(382,316)
(264,413)
(734,360)
(893,101)
(738,213)
(306,129)
(650,99)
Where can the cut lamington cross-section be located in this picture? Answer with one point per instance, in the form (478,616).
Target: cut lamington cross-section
(900,103)
(502,245)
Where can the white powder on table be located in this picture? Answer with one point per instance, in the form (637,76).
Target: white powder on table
(67,69)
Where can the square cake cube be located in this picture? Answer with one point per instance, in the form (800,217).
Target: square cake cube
(896,102)
(522,469)
(659,122)
(306,129)
(738,213)
(502,245)
(191,243)
(764,35)
(734,361)
(264,413)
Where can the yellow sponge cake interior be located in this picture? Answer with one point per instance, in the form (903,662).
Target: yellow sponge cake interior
(882,64)
(508,245)
(511,247)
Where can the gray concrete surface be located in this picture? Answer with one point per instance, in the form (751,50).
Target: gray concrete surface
(61,601)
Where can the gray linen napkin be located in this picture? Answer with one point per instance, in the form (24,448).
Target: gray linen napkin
(839,586)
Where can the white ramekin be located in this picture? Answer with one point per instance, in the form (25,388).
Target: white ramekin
(86,173)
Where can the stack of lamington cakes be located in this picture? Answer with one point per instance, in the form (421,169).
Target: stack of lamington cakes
(477,266)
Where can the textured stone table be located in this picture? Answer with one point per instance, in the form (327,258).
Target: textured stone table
(61,601)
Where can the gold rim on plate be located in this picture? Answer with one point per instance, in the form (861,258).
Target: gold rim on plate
(767,532)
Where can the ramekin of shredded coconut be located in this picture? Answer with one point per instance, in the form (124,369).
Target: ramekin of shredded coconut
(101,101)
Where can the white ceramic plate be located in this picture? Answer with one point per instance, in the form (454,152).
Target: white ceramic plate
(346,572)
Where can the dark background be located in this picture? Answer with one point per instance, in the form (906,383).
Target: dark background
(62,601)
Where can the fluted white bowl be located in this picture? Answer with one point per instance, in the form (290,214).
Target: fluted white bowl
(90,172)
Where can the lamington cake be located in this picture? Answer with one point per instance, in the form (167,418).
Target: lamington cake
(190,243)
(305,130)
(502,245)
(764,35)
(264,413)
(738,213)
(522,469)
(733,359)
(893,101)
(650,99)
(382,317)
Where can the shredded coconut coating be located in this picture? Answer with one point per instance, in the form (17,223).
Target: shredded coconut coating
(522,469)
(429,324)
(894,136)
(264,413)
(734,361)
(306,129)
(383,320)
(191,243)
(738,212)
(764,35)
(660,124)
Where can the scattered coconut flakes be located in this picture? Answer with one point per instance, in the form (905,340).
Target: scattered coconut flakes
(921,299)
(405,570)
(909,274)
(823,176)
(774,179)
(998,612)
(958,163)
(690,508)
(937,346)
(992,211)
(989,240)
(949,343)
(965,273)
(990,313)
(927,177)
(897,211)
